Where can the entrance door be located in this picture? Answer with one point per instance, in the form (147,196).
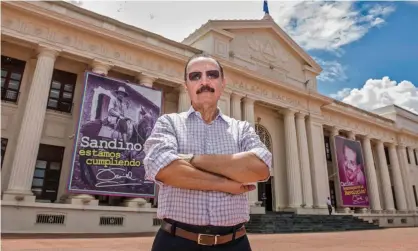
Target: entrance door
(265,194)
(332,196)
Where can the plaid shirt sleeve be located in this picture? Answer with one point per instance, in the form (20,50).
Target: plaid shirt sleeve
(250,142)
(160,148)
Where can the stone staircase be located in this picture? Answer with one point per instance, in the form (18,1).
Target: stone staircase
(277,222)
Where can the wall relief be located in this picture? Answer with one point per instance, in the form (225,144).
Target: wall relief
(83,41)
(264,92)
(265,48)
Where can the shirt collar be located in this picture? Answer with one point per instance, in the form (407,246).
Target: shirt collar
(220,114)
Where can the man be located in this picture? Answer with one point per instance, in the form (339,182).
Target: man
(329,206)
(116,117)
(203,162)
(352,163)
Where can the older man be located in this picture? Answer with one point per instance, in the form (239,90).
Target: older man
(204,162)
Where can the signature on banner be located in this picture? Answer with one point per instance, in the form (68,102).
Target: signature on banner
(109,177)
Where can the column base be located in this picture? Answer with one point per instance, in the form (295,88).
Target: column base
(389,211)
(20,196)
(343,210)
(257,209)
(376,211)
(402,211)
(361,210)
(137,202)
(82,199)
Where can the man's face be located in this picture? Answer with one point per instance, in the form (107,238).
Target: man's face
(204,81)
(350,164)
(120,95)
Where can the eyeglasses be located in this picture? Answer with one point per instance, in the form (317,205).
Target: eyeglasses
(197,75)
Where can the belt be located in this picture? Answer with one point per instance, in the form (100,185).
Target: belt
(204,239)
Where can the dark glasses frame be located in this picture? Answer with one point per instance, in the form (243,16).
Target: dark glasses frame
(197,75)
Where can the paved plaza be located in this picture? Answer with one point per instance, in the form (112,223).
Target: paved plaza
(401,239)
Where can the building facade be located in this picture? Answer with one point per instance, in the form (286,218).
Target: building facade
(271,82)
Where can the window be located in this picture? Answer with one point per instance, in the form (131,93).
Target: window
(11,77)
(327,149)
(3,149)
(407,156)
(416,158)
(415,195)
(62,91)
(47,172)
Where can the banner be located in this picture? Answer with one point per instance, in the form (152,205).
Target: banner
(116,118)
(352,176)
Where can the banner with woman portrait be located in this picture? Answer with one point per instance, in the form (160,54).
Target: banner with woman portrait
(352,176)
(115,120)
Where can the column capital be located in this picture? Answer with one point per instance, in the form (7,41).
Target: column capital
(47,51)
(288,112)
(100,66)
(146,79)
(366,137)
(300,115)
(335,131)
(401,146)
(249,100)
(182,89)
(237,95)
(352,135)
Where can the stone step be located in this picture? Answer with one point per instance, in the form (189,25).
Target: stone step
(292,223)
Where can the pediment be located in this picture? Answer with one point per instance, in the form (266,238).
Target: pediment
(263,35)
(258,45)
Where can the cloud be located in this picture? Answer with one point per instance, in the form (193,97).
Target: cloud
(341,94)
(332,71)
(330,25)
(318,25)
(377,93)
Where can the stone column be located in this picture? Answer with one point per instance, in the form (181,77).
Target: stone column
(236,106)
(145,79)
(305,168)
(184,100)
(20,182)
(369,167)
(403,164)
(249,116)
(336,176)
(318,163)
(384,173)
(397,179)
(292,160)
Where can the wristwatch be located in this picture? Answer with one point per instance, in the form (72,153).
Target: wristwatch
(186,157)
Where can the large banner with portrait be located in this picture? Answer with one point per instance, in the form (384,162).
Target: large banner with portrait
(352,176)
(115,120)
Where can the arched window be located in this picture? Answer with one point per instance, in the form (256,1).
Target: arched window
(264,135)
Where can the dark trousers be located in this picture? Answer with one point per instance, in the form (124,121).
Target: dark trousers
(329,209)
(165,241)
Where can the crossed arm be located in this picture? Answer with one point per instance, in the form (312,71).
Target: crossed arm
(226,173)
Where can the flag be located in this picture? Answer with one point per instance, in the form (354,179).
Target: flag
(266,7)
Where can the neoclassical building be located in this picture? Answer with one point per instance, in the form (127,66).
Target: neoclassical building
(271,82)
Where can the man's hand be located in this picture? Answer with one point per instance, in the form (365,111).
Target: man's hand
(182,174)
(244,167)
(238,188)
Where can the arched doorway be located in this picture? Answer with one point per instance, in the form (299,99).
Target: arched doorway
(265,192)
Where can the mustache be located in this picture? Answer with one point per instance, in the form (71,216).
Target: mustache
(205,88)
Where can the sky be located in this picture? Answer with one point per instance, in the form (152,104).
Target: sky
(368,50)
